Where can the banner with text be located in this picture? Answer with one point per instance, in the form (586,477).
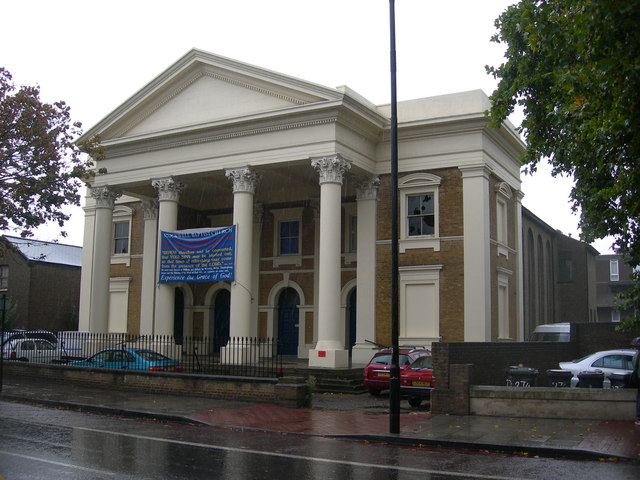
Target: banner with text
(198,255)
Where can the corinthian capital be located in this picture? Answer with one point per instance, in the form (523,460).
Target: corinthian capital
(331,168)
(367,188)
(244,179)
(168,188)
(105,196)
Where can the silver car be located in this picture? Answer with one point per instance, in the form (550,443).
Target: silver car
(30,350)
(607,362)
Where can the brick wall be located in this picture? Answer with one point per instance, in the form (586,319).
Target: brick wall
(285,391)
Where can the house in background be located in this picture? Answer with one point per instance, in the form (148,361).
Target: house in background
(303,172)
(41,281)
(559,276)
(613,276)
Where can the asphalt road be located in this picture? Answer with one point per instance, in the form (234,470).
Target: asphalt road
(43,443)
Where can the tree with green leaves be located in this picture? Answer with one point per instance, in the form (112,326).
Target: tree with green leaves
(573,67)
(41,169)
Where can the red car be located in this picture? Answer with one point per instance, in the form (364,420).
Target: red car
(416,380)
(377,371)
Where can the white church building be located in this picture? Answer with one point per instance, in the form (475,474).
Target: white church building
(303,173)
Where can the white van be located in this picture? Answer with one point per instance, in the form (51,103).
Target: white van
(551,332)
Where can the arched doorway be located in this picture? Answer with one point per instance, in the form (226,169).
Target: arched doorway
(351,320)
(178,317)
(221,319)
(288,322)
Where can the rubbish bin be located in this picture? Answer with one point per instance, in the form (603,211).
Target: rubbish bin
(559,378)
(521,377)
(590,379)
(619,380)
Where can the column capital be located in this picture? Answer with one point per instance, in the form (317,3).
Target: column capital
(150,208)
(367,188)
(168,188)
(331,168)
(244,179)
(105,196)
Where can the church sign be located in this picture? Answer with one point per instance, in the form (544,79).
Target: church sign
(198,255)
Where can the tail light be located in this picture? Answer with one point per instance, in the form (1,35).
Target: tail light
(12,356)
(156,369)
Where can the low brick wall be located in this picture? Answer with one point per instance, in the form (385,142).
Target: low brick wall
(284,391)
(577,403)
(459,397)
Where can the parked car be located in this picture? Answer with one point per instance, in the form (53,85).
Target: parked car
(377,371)
(130,359)
(607,362)
(41,334)
(416,381)
(30,350)
(551,332)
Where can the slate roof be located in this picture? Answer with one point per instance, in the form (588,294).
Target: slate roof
(48,252)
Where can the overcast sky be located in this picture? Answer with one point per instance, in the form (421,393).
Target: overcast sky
(95,55)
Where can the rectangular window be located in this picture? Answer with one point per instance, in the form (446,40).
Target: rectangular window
(614,272)
(565,267)
(420,215)
(4,277)
(121,238)
(290,237)
(353,233)
(615,316)
(501,222)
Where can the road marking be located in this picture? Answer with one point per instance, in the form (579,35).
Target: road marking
(302,457)
(59,464)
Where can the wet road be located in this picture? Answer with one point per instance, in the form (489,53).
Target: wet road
(39,443)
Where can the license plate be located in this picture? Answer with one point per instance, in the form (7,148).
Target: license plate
(421,384)
(383,374)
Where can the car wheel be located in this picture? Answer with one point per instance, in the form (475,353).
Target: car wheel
(374,391)
(414,401)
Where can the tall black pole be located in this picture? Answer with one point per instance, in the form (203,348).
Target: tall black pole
(394,386)
(3,309)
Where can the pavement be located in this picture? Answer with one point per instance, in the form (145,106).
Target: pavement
(358,417)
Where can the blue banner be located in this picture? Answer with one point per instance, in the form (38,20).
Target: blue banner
(198,255)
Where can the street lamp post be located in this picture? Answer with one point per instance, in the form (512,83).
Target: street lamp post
(394,385)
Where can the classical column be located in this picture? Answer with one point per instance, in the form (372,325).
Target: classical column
(330,351)
(168,195)
(244,184)
(477,262)
(149,262)
(367,198)
(105,198)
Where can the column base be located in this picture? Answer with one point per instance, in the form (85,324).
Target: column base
(237,354)
(329,358)
(361,353)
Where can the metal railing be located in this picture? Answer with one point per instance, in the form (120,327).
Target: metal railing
(241,356)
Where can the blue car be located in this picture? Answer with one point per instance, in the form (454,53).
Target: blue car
(131,359)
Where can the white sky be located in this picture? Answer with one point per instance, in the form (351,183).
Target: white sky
(95,55)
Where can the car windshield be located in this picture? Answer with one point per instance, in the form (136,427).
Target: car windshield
(151,356)
(385,359)
(422,362)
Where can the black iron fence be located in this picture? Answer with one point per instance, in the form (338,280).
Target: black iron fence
(241,356)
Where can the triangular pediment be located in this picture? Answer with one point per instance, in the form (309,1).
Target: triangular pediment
(203,89)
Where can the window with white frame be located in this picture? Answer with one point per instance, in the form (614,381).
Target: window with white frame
(615,316)
(419,210)
(4,277)
(504,331)
(503,195)
(614,271)
(350,244)
(287,241)
(121,235)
